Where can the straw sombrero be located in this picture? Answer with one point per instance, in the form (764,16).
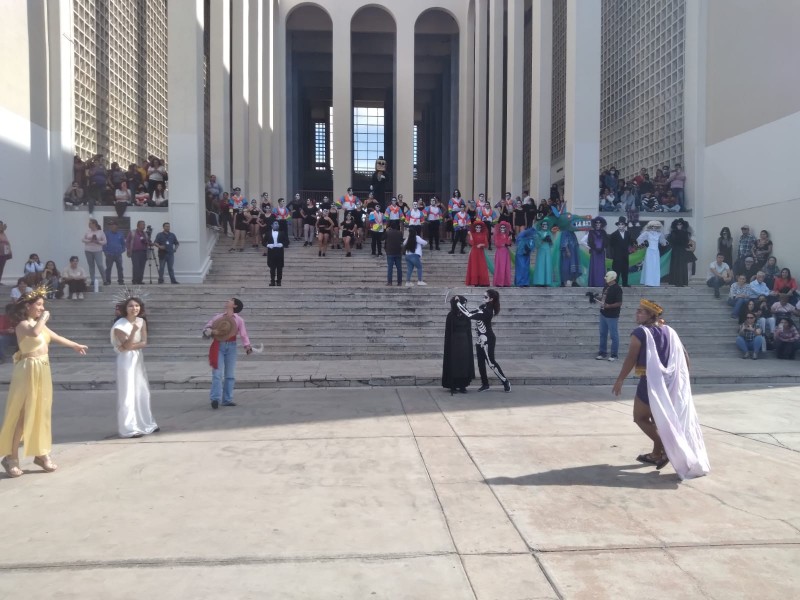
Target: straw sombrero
(223,328)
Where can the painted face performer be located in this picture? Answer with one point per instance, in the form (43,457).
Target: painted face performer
(376,226)
(275,241)
(282,216)
(433,217)
(477,269)
(461,223)
(488,215)
(30,393)
(485,337)
(394,213)
(597,242)
(502,258)
(458,366)
(663,407)
(526,244)
(224,328)
(652,237)
(415,218)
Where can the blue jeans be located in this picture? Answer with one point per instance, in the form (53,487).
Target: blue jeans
(755,345)
(608,325)
(413,261)
(226,369)
(737,304)
(95,260)
(167,260)
(394,261)
(680,197)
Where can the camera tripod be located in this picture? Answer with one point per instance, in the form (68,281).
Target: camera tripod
(151,258)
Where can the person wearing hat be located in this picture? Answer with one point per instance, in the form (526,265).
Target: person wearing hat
(747,267)
(225,327)
(610,304)
(597,242)
(619,243)
(663,406)
(652,237)
(746,244)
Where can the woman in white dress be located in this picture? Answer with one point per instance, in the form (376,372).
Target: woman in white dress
(129,337)
(651,267)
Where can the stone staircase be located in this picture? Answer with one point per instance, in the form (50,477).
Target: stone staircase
(337,308)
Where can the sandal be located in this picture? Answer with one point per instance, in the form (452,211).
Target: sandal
(11,465)
(662,462)
(45,462)
(647,459)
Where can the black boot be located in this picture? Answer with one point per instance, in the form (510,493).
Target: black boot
(272,283)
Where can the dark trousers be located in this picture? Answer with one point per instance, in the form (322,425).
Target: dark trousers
(459,235)
(489,228)
(112,260)
(490,341)
(275,274)
(76,286)
(377,238)
(225,221)
(3,260)
(275,264)
(433,233)
(166,259)
(394,261)
(139,260)
(620,265)
(415,229)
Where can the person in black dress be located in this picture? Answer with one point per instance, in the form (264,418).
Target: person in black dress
(458,366)
(324,227)
(725,246)
(348,232)
(618,244)
(678,239)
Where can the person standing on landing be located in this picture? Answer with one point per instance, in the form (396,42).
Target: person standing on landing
(663,407)
(225,327)
(610,304)
(486,338)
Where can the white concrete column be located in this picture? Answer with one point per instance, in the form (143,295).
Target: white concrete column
(466,103)
(515,47)
(481,93)
(541,97)
(694,122)
(220,92)
(186,105)
(239,95)
(582,133)
(404,107)
(267,92)
(255,183)
(278,183)
(494,148)
(342,130)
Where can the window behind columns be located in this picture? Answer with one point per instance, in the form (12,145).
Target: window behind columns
(368,136)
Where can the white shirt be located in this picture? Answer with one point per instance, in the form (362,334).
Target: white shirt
(420,244)
(717,270)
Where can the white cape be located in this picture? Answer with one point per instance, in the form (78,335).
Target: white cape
(673,409)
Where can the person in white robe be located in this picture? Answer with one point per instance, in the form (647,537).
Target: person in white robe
(129,337)
(651,267)
(663,407)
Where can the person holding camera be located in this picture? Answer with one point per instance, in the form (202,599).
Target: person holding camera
(167,245)
(136,246)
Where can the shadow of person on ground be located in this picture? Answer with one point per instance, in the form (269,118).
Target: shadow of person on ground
(599,475)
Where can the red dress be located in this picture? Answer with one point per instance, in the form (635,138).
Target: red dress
(477,269)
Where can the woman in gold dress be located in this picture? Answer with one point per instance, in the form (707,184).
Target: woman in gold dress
(30,394)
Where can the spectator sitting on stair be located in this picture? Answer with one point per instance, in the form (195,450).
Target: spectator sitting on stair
(749,339)
(747,267)
(738,295)
(759,286)
(719,274)
(787,339)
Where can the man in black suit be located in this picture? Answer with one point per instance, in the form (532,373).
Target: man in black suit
(618,244)
(275,240)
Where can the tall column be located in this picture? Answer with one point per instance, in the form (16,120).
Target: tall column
(186,142)
(239,95)
(280,109)
(267,92)
(582,133)
(480,91)
(515,47)
(255,183)
(541,97)
(220,91)
(342,103)
(465,86)
(404,107)
(495,119)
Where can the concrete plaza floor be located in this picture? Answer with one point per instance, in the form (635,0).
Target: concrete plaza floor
(406,493)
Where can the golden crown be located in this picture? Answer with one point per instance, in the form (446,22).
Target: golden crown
(651,306)
(40,291)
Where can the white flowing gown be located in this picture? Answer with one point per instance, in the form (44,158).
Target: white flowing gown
(133,390)
(651,267)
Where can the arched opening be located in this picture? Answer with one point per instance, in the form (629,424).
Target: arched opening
(373,46)
(309,89)
(436,89)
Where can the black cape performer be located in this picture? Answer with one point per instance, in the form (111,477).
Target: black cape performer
(458,367)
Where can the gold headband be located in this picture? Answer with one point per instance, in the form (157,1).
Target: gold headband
(651,306)
(40,291)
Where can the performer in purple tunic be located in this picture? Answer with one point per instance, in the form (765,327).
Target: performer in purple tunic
(597,242)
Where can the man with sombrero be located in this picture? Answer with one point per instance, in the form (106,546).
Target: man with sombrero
(224,328)
(663,407)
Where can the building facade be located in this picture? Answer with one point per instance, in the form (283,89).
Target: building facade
(489,96)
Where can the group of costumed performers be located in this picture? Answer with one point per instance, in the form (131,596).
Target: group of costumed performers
(29,403)
(663,406)
(458,369)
